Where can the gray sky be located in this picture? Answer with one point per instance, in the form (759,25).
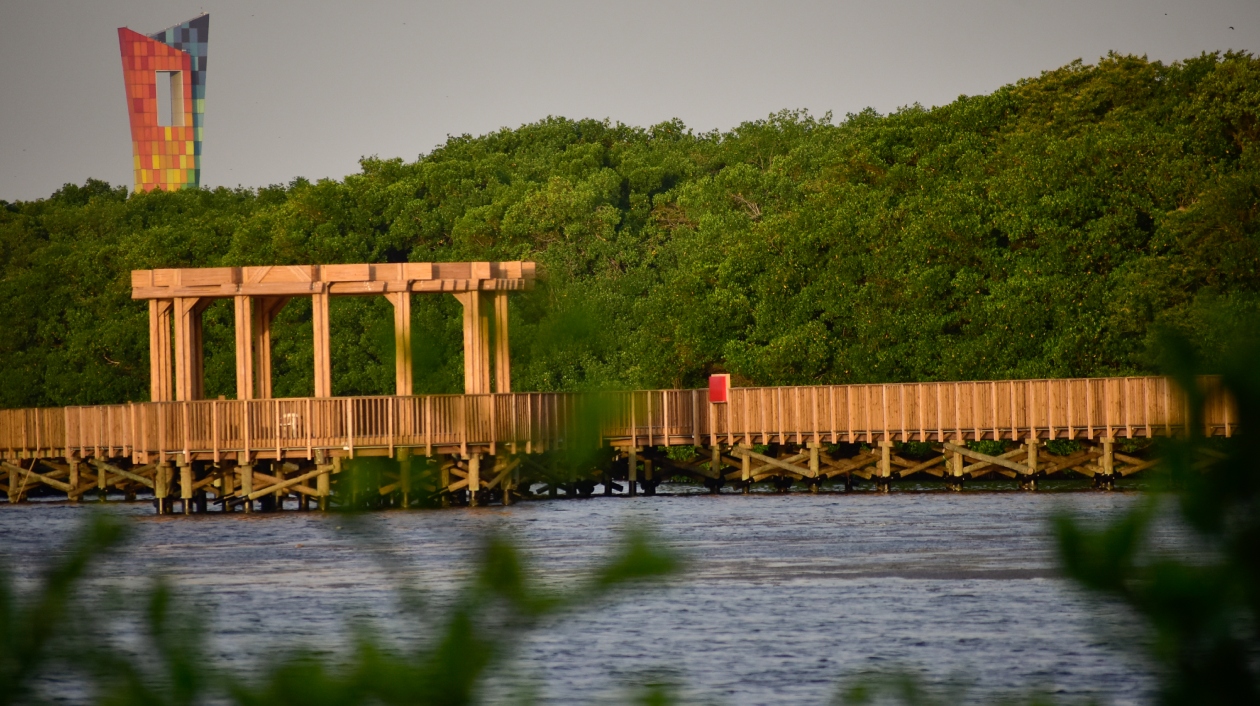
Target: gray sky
(307,88)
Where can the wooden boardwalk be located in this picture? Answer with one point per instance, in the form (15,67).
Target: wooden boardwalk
(239,452)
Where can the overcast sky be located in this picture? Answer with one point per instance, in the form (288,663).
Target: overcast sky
(307,88)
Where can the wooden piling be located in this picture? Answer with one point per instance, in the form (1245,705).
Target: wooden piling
(1033,445)
(885,465)
(956,462)
(404,475)
(633,472)
(73,494)
(813,466)
(444,483)
(246,471)
(278,470)
(323,484)
(745,469)
(474,479)
(186,485)
(162,487)
(1107,462)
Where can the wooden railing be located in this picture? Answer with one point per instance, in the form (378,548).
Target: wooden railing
(529,422)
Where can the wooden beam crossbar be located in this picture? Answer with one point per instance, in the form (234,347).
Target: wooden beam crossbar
(993,460)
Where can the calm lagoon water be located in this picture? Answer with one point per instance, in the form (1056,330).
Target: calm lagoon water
(782,598)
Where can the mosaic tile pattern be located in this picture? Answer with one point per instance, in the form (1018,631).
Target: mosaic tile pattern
(166,157)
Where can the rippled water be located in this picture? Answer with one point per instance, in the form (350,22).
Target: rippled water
(784,595)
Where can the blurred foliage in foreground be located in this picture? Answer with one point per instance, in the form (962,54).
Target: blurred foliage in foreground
(48,635)
(1203,613)
(1043,230)
(1198,618)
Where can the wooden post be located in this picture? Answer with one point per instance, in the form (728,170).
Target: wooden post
(73,494)
(189,356)
(323,353)
(476,343)
(185,484)
(322,484)
(956,465)
(813,466)
(1108,462)
(265,310)
(444,483)
(227,483)
(403,383)
(247,484)
(632,477)
(507,480)
(474,478)
(716,467)
(885,464)
(1033,447)
(162,487)
(745,469)
(243,316)
(502,357)
(404,475)
(277,470)
(160,389)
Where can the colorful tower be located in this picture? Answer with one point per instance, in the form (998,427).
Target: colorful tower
(165,75)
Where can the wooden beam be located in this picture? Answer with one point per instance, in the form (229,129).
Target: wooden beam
(981,468)
(354,279)
(280,485)
(403,370)
(243,317)
(476,343)
(848,465)
(763,469)
(696,468)
(103,467)
(777,463)
(502,354)
(323,352)
(189,353)
(29,473)
(920,467)
(1071,461)
(265,311)
(160,372)
(964,451)
(1134,468)
(503,472)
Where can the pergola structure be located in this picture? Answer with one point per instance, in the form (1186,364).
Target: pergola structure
(259,293)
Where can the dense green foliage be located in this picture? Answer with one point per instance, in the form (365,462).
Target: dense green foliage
(1046,229)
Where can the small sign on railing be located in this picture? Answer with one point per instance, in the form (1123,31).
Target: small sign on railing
(719,388)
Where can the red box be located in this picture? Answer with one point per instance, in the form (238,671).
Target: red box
(719,388)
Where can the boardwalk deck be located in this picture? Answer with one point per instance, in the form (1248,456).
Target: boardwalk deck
(79,447)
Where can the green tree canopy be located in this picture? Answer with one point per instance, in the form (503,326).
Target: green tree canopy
(1046,229)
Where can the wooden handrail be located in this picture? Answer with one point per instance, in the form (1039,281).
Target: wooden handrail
(1089,408)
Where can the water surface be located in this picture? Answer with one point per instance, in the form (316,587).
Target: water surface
(783,595)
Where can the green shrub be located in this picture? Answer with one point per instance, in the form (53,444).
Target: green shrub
(991,447)
(1063,447)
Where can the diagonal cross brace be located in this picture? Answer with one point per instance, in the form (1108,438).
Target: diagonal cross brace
(995,460)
